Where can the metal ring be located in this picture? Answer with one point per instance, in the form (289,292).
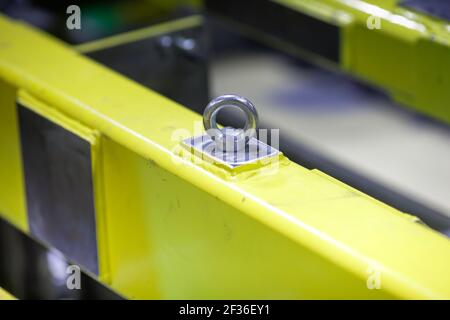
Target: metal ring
(212,109)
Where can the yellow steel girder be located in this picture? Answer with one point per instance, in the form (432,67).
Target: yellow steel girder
(184,229)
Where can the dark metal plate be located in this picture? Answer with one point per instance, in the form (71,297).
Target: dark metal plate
(58,184)
(277,20)
(172,64)
(435,8)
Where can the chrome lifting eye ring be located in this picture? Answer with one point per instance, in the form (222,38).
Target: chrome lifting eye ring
(219,135)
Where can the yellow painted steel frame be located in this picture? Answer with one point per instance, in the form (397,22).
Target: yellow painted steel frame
(182,229)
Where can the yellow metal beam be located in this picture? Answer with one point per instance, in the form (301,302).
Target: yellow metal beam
(179,229)
(4,295)
(135,35)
